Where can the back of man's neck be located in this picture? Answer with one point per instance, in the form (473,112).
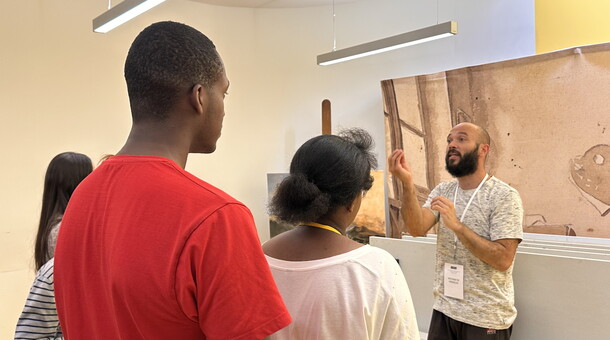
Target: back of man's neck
(145,149)
(156,142)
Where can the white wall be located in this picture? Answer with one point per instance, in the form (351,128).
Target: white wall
(284,110)
(61,88)
(560,289)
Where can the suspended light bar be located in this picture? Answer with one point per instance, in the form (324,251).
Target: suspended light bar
(121,13)
(419,36)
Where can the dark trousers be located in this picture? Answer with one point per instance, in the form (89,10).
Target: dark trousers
(443,327)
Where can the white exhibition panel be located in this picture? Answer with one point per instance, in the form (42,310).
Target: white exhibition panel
(561,290)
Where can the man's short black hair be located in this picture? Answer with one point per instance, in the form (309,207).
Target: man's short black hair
(167,59)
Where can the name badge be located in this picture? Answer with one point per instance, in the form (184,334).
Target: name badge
(454,280)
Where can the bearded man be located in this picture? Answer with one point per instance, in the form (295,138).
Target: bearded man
(480,228)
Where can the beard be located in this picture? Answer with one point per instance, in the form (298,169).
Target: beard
(466,165)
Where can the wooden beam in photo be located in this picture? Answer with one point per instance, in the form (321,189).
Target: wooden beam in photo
(391,113)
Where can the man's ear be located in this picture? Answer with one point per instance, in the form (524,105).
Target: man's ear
(198,98)
(484,150)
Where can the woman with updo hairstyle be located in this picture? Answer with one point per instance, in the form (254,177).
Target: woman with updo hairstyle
(334,287)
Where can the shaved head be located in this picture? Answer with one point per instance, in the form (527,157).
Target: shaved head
(482,136)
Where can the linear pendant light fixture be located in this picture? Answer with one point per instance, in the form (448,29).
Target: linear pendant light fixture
(419,36)
(121,13)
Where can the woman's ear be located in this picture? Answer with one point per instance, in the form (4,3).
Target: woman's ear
(198,98)
(352,205)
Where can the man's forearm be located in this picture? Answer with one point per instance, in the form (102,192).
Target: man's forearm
(412,215)
(498,254)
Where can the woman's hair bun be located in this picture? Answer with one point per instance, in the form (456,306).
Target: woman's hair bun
(298,200)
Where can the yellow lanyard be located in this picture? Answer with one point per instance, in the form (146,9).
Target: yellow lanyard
(322,226)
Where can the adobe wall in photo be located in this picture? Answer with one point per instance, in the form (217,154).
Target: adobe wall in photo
(549,120)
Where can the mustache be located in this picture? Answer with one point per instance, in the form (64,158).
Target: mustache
(453,152)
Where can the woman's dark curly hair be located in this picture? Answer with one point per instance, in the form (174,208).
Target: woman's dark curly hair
(326,172)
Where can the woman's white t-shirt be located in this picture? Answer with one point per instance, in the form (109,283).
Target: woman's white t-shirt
(361,294)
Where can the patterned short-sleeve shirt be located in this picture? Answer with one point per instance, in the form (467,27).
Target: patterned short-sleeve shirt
(496,212)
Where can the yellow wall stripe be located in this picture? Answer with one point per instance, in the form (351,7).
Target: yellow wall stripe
(565,23)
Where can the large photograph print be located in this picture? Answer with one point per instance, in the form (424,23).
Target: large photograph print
(549,120)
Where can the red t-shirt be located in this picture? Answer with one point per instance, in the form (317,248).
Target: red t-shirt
(148,251)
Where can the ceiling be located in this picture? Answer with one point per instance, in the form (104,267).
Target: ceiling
(273,3)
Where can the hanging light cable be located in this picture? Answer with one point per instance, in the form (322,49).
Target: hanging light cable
(419,36)
(334,31)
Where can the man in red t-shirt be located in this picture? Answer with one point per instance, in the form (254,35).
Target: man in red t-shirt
(146,250)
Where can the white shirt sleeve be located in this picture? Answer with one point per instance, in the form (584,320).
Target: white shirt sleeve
(400,320)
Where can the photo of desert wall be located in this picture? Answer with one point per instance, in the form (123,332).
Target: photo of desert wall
(549,119)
